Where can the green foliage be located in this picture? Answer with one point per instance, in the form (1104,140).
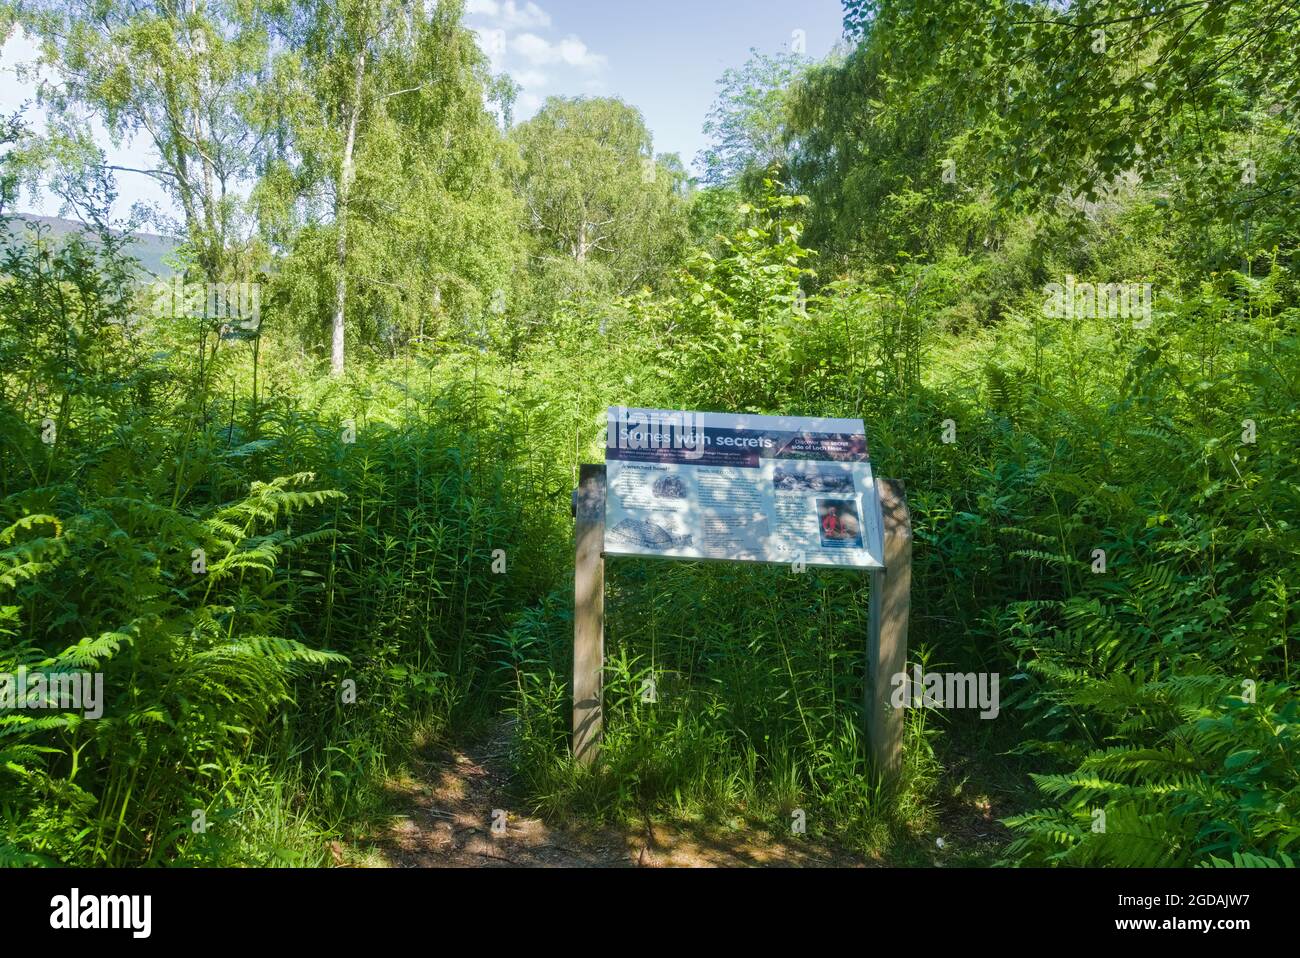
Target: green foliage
(950,166)
(726,329)
(748,123)
(607,215)
(109,59)
(381,159)
(1158,690)
(1075,101)
(324,564)
(741,711)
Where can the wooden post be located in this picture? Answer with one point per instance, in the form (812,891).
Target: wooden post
(588,612)
(891,601)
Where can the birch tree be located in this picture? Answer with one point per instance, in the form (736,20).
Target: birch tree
(596,193)
(383,134)
(171,75)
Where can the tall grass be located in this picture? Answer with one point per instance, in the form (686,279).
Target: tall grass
(350,606)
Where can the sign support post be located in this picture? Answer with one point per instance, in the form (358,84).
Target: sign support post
(588,612)
(891,603)
(890,606)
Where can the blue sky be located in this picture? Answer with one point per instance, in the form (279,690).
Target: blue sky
(662,56)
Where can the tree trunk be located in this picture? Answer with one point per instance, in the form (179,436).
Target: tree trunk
(580,252)
(341,219)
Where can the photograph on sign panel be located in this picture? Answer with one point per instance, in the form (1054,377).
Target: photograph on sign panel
(840,526)
(788,479)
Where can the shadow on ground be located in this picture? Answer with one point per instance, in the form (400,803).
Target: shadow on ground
(456,813)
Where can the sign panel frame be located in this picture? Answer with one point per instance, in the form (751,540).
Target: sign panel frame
(725,487)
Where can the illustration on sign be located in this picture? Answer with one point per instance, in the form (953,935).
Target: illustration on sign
(742,488)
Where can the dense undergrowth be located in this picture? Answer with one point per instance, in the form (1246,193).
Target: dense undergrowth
(290,581)
(350,606)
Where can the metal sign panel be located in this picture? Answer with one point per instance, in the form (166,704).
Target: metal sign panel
(744,488)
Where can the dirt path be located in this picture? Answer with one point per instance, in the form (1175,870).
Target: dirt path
(452,802)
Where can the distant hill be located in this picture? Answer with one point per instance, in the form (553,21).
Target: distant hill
(149,249)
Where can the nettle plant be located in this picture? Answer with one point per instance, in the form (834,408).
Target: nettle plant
(102,516)
(726,333)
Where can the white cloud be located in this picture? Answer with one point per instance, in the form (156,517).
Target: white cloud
(509,14)
(492,41)
(513,36)
(530,78)
(542,52)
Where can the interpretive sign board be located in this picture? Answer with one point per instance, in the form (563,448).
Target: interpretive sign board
(741,488)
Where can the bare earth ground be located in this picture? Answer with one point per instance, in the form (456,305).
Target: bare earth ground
(447,808)
(448,823)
